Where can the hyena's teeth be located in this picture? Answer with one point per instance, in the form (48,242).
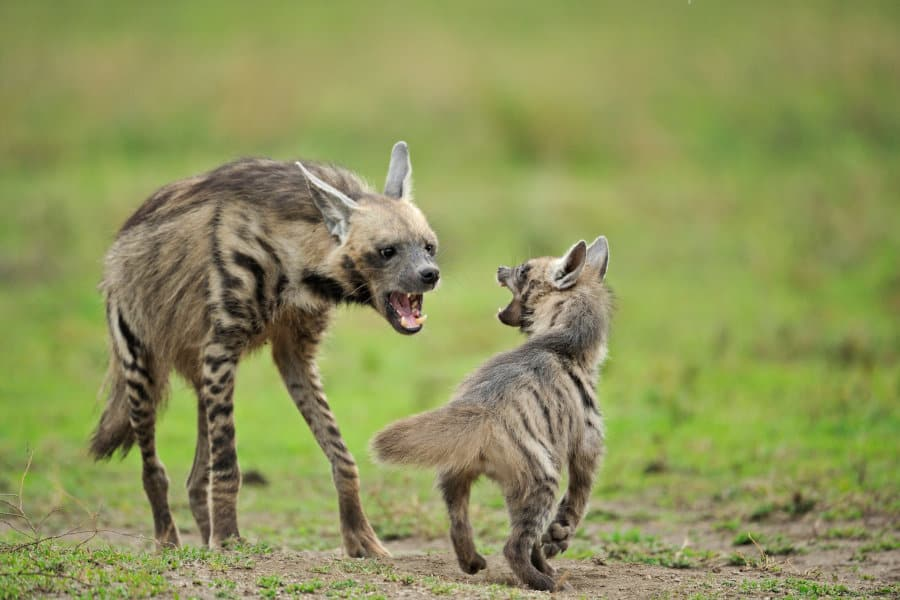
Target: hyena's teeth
(421,319)
(410,322)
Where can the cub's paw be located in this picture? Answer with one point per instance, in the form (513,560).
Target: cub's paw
(557,538)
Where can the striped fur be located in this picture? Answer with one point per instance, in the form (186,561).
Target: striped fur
(525,416)
(213,266)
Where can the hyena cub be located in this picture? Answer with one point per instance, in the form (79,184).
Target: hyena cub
(213,266)
(525,415)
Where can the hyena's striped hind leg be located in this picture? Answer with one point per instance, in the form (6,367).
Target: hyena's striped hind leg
(198,480)
(456,487)
(144,388)
(217,397)
(293,347)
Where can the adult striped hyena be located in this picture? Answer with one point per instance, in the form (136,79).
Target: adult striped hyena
(525,415)
(213,266)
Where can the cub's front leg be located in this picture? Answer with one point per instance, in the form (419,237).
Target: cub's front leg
(582,469)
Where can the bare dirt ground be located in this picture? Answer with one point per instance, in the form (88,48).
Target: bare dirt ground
(817,566)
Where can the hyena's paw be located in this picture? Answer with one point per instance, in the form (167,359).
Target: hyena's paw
(472,565)
(227,543)
(363,543)
(557,538)
(168,538)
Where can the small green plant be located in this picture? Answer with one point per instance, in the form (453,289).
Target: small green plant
(305,587)
(731,525)
(343,584)
(439,587)
(745,538)
(762,512)
(847,533)
(269,585)
(795,585)
(737,559)
(772,545)
(882,545)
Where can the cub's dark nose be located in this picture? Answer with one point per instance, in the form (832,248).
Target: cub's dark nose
(430,275)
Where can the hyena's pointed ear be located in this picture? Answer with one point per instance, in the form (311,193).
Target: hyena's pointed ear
(598,255)
(399,178)
(569,267)
(334,204)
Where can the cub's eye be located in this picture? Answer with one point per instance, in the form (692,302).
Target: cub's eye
(429,248)
(388,252)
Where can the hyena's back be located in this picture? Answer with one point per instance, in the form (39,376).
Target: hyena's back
(188,236)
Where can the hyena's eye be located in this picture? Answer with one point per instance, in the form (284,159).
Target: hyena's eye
(388,252)
(429,248)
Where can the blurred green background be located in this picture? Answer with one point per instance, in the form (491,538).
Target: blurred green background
(742,158)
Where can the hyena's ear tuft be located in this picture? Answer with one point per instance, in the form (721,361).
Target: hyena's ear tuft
(598,255)
(334,205)
(399,178)
(569,267)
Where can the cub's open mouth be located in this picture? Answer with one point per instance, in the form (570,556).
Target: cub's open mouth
(404,312)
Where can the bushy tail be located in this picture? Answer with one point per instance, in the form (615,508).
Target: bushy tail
(450,437)
(114,430)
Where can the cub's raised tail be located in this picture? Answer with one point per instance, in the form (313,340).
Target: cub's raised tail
(449,437)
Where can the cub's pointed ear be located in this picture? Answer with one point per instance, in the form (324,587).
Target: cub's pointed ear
(598,255)
(399,178)
(568,268)
(335,206)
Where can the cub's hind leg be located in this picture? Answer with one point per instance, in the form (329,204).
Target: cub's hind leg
(455,487)
(539,561)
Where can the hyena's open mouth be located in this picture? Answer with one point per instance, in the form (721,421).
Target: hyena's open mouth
(404,312)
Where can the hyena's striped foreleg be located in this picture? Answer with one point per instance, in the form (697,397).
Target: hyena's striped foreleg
(143,391)
(217,396)
(455,487)
(294,350)
(198,480)
(582,468)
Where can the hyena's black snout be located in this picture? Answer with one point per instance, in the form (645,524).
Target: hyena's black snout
(430,275)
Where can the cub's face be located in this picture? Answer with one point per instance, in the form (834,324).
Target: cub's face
(541,286)
(530,287)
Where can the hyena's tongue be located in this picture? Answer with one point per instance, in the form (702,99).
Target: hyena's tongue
(408,307)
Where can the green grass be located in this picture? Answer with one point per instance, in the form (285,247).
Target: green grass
(793,586)
(46,569)
(744,162)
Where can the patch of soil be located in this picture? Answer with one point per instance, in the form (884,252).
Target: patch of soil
(424,569)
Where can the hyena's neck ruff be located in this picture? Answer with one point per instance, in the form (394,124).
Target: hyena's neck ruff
(525,416)
(211,267)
